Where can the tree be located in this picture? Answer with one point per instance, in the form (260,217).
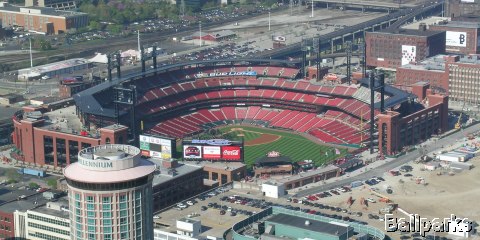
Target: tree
(94,25)
(114,28)
(52,183)
(33,185)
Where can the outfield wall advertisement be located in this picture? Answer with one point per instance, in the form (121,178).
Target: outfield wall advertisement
(213,150)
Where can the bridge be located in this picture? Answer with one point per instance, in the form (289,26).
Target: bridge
(335,41)
(375,5)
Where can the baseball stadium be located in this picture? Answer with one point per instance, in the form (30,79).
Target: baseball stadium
(269,104)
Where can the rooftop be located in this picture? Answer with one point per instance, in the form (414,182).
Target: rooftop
(428,21)
(56,209)
(435,63)
(309,224)
(409,32)
(232,166)
(22,200)
(65,120)
(461,24)
(38,10)
(163,174)
(307,174)
(42,69)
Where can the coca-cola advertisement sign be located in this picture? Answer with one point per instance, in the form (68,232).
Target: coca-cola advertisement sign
(231,153)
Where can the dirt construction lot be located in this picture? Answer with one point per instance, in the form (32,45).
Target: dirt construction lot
(439,196)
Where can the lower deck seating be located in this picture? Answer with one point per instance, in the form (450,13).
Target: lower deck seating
(328,130)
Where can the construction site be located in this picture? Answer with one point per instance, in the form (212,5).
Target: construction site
(416,189)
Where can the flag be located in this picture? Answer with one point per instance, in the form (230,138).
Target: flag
(337,151)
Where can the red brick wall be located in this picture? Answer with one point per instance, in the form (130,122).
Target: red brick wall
(472,37)
(7,226)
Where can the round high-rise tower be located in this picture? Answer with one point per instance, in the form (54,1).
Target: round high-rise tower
(110,194)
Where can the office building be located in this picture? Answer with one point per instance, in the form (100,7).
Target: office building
(11,201)
(174,181)
(40,19)
(459,76)
(49,221)
(457,8)
(391,49)
(57,4)
(461,37)
(110,193)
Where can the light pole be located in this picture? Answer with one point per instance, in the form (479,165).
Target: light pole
(269,23)
(312,9)
(200,28)
(31,59)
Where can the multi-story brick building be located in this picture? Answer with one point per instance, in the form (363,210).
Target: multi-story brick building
(459,76)
(431,70)
(461,37)
(56,137)
(456,8)
(391,49)
(396,131)
(40,19)
(57,4)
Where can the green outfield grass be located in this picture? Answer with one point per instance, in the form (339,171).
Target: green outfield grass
(296,147)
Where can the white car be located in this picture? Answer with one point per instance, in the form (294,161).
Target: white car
(229,209)
(181,205)
(340,190)
(156,217)
(190,203)
(371,200)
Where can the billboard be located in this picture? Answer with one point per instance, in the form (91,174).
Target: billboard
(456,39)
(231,153)
(468,1)
(224,74)
(409,54)
(156,147)
(213,150)
(192,151)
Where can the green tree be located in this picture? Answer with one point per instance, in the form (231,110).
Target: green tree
(33,185)
(94,25)
(52,183)
(114,28)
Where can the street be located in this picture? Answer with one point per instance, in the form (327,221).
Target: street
(379,171)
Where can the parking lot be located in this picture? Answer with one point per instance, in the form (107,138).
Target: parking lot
(219,210)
